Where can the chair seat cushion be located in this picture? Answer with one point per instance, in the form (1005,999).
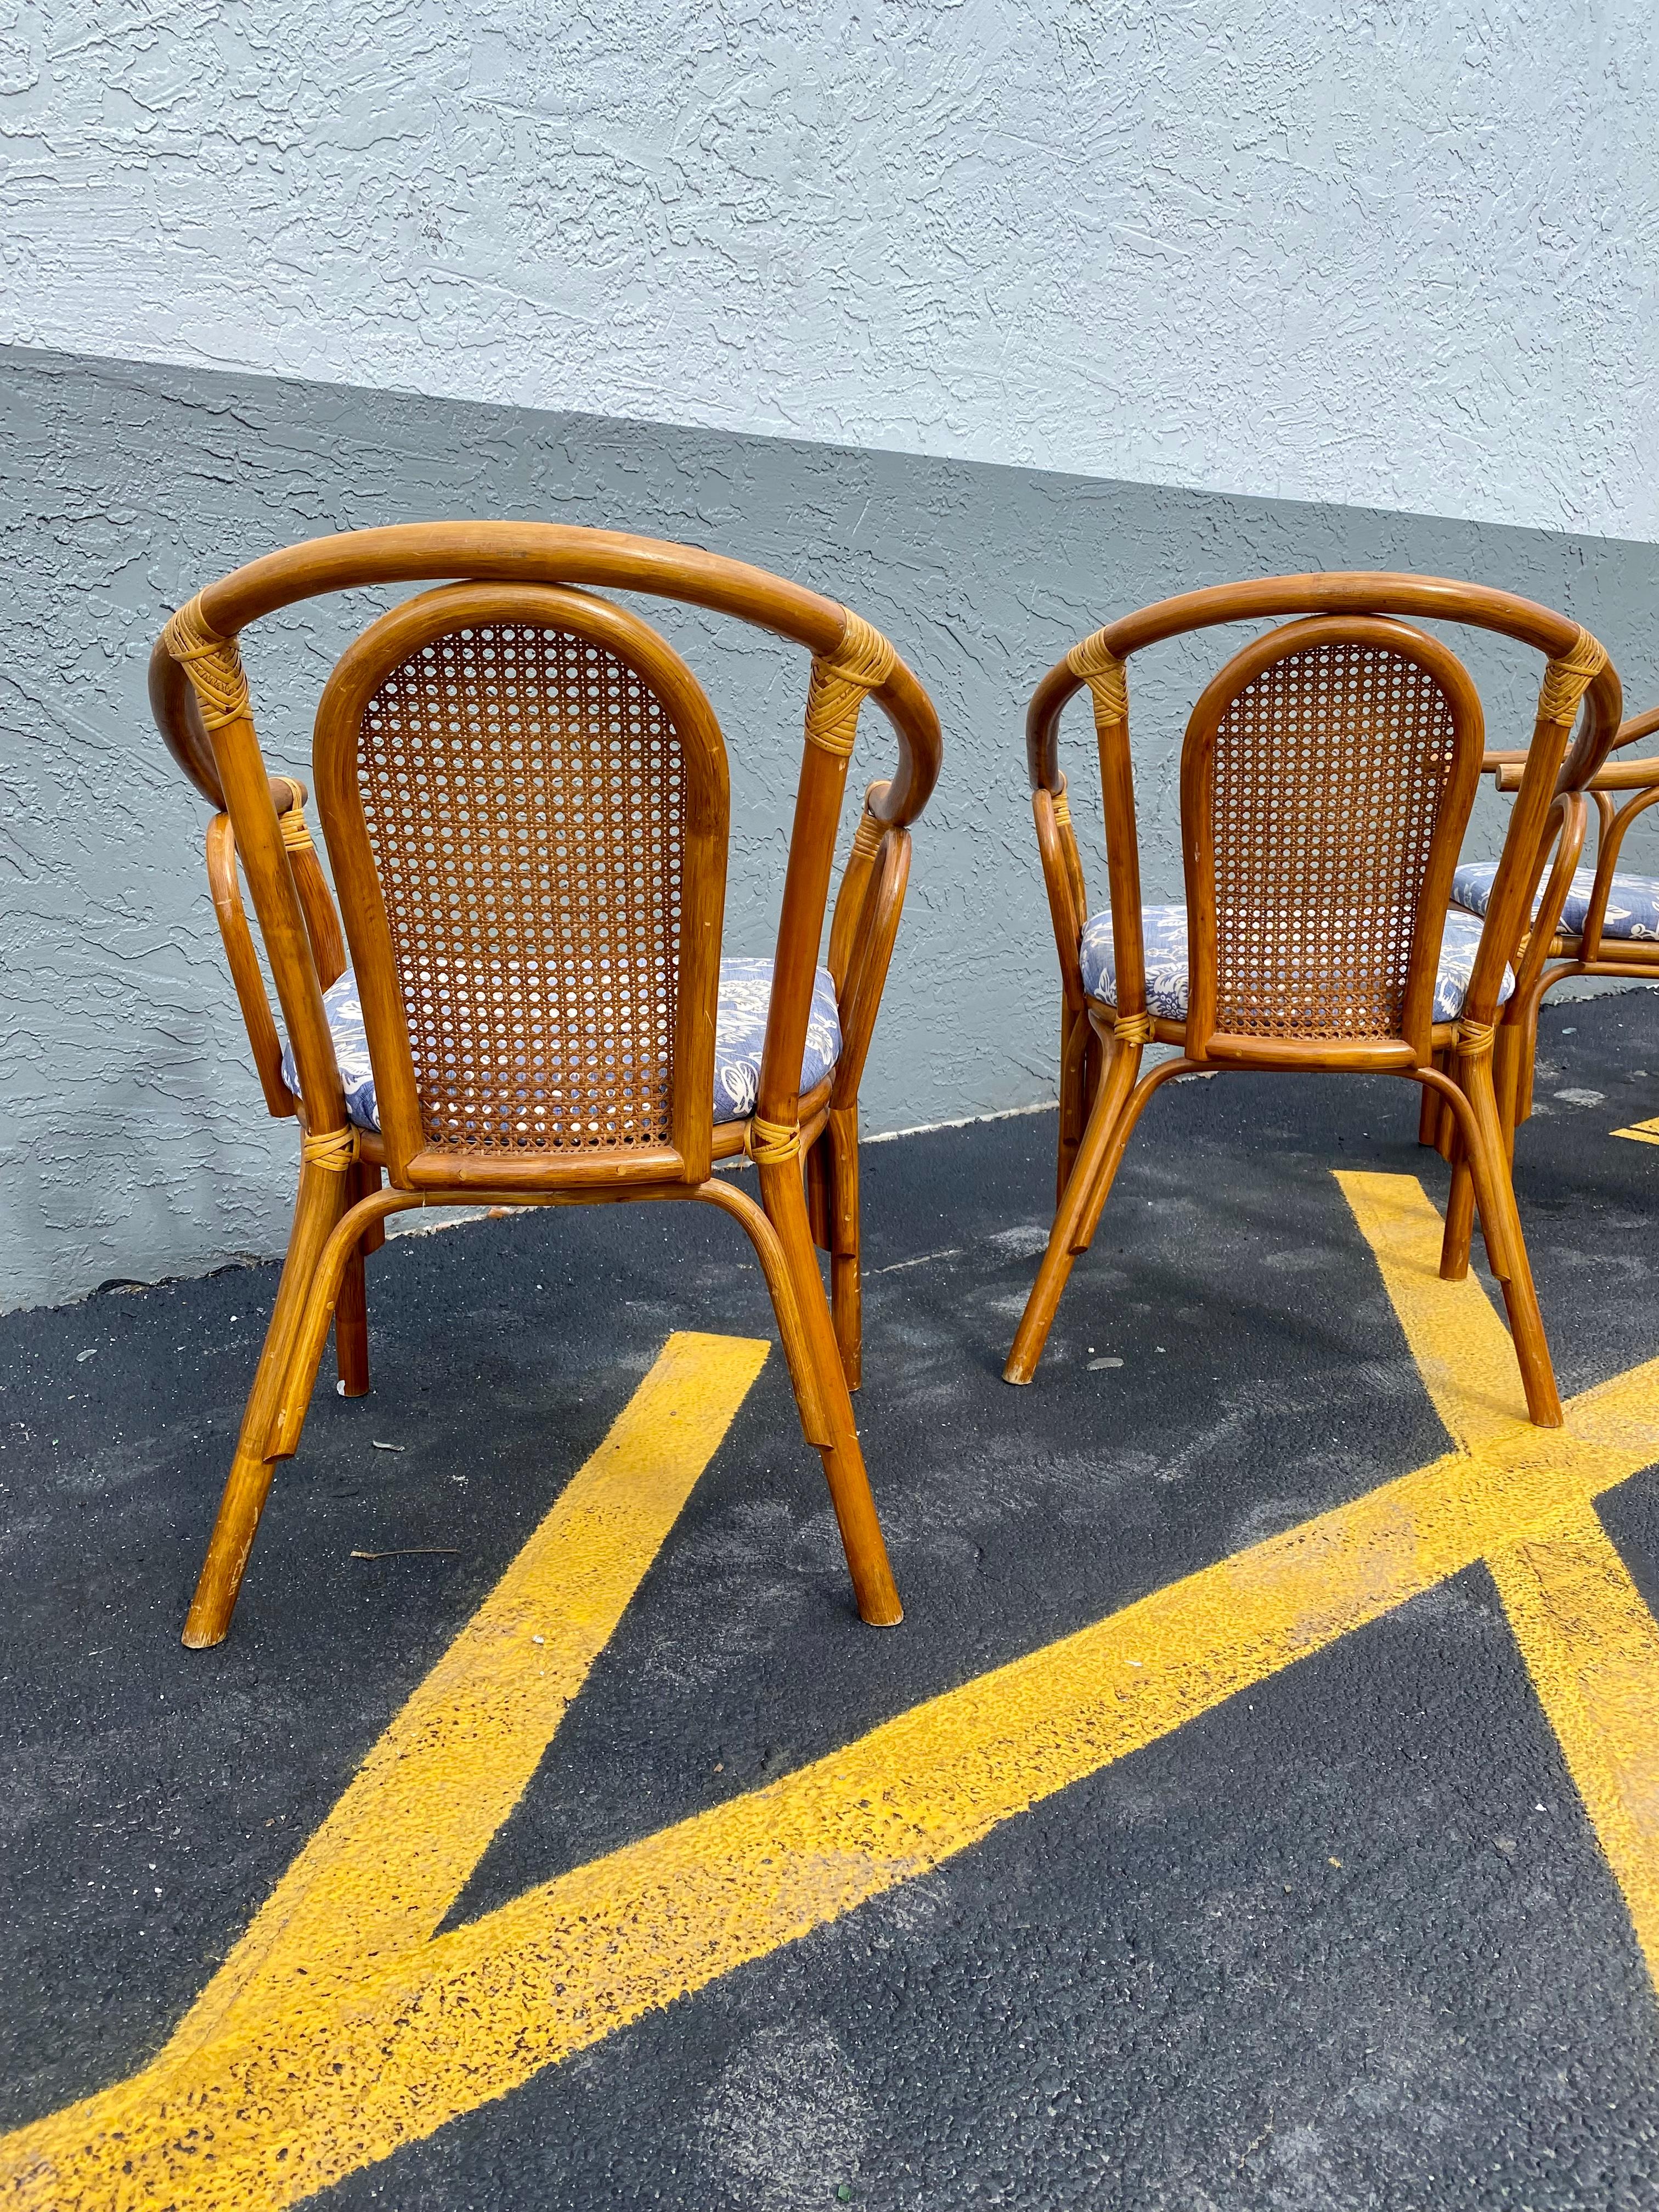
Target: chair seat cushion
(745,994)
(1632,904)
(1163,934)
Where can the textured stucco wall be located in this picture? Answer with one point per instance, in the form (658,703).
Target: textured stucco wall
(132,1140)
(1392,253)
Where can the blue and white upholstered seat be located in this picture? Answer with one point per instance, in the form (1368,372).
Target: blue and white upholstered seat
(745,994)
(1632,905)
(1163,934)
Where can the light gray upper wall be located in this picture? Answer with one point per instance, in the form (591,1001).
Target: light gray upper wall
(1387,253)
(133,1141)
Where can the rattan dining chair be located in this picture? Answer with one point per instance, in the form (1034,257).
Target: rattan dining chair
(1598,921)
(522,790)
(1327,774)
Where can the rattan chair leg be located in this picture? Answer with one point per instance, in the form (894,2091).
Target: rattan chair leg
(786,1306)
(1094,1205)
(351,1314)
(1075,1034)
(1089,1176)
(1511,1075)
(351,1330)
(1506,1245)
(1428,1117)
(873,1586)
(840,1142)
(317,1208)
(1431,1118)
(818,1174)
(1468,1191)
(1459,1219)
(1445,1136)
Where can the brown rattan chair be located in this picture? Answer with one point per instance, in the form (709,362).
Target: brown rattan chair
(524,793)
(1326,775)
(1588,921)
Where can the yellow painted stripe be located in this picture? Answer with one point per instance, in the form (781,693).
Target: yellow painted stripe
(1592,1648)
(1590,1644)
(294,2097)
(1644,1133)
(390,1860)
(291,2104)
(1462,1350)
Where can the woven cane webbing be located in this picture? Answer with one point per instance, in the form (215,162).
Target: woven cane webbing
(524,791)
(1331,768)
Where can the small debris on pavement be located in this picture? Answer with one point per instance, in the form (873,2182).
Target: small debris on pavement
(413,1552)
(379,1446)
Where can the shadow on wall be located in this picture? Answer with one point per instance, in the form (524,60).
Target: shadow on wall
(135,1141)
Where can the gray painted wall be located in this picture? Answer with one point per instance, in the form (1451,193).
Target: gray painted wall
(132,1140)
(1392,251)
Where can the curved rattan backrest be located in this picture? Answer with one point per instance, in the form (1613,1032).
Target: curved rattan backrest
(524,792)
(1327,778)
(199,696)
(1559,763)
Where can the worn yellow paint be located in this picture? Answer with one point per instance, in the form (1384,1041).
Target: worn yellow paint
(1462,1351)
(305,2087)
(1592,1648)
(386,1866)
(1644,1133)
(1590,1645)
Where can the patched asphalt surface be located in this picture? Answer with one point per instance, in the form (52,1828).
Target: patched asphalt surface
(1155,1989)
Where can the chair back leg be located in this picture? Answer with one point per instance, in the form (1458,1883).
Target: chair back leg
(841,1144)
(784,1198)
(320,1202)
(1086,1190)
(351,1314)
(351,1330)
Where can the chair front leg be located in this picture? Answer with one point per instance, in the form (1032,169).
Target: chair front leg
(1076,1051)
(351,1314)
(784,1199)
(1083,1194)
(1506,1246)
(840,1143)
(318,1207)
(1474,1100)
(1460,1216)
(817,1169)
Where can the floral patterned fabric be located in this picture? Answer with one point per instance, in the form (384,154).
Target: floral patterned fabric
(1632,906)
(1163,934)
(740,1031)
(745,994)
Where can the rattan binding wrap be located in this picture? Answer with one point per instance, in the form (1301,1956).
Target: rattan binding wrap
(525,795)
(1476,1039)
(771,1142)
(1105,676)
(1330,767)
(214,665)
(331,1150)
(866,838)
(1566,680)
(861,662)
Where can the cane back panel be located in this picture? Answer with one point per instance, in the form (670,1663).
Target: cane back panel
(1330,774)
(524,791)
